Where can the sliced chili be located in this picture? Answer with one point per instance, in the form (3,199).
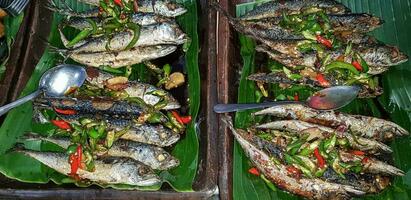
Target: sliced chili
(296,97)
(321,79)
(320,159)
(324,41)
(65,112)
(357,152)
(254,171)
(118,2)
(365,160)
(61,124)
(75,162)
(357,65)
(181,119)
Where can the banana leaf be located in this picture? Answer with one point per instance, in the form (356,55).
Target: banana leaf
(19,120)
(394,104)
(12,26)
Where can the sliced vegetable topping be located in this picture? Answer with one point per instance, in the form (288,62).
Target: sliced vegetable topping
(254,171)
(61,124)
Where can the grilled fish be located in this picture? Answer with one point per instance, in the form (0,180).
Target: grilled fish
(364,126)
(133,89)
(107,170)
(162,7)
(277,173)
(152,156)
(277,8)
(122,58)
(142,19)
(282,78)
(378,57)
(352,22)
(165,33)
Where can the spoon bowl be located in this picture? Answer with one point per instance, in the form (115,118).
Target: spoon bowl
(55,82)
(327,99)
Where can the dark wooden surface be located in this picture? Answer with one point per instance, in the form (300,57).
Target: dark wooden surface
(31,43)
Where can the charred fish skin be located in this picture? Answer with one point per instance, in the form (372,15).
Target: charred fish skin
(166,33)
(309,188)
(276,8)
(123,58)
(90,105)
(368,127)
(165,8)
(142,19)
(134,89)
(301,127)
(152,156)
(107,171)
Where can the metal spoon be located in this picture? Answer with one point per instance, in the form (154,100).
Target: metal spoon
(327,99)
(56,82)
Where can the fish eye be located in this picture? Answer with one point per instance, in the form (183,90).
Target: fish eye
(394,52)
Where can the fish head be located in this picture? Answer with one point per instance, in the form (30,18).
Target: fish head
(148,177)
(173,9)
(396,56)
(169,162)
(380,58)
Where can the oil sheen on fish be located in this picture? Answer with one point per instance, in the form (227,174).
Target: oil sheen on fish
(123,58)
(277,8)
(134,89)
(142,19)
(297,127)
(364,126)
(282,78)
(162,7)
(152,156)
(108,170)
(165,33)
(379,57)
(278,174)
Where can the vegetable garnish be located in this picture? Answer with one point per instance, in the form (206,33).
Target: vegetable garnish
(65,112)
(324,41)
(61,124)
(320,159)
(118,3)
(181,119)
(321,79)
(75,161)
(254,171)
(357,152)
(357,65)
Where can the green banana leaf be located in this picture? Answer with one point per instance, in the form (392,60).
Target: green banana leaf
(394,104)
(12,26)
(19,120)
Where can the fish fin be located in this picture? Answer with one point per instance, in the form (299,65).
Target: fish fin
(63,52)
(228,122)
(63,38)
(353,191)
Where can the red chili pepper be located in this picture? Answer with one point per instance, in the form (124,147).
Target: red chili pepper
(324,41)
(323,82)
(65,112)
(296,97)
(357,152)
(75,162)
(180,119)
(254,171)
(294,171)
(320,159)
(365,160)
(61,124)
(357,65)
(118,2)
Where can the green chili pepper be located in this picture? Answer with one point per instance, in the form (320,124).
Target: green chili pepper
(295,146)
(93,25)
(343,142)
(305,162)
(174,121)
(320,172)
(356,169)
(85,121)
(348,49)
(341,65)
(71,149)
(93,133)
(305,171)
(136,34)
(155,118)
(110,69)
(308,35)
(330,144)
(269,183)
(289,159)
(159,93)
(161,104)
(167,70)
(83,34)
(310,148)
(92,143)
(110,139)
(281,97)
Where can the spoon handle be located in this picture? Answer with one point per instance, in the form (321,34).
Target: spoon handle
(225,108)
(4,109)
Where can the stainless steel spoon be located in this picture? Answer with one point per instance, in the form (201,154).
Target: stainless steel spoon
(56,82)
(327,99)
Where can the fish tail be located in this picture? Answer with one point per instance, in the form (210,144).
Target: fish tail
(65,10)
(228,122)
(65,53)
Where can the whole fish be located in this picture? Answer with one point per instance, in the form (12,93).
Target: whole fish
(122,58)
(379,57)
(142,19)
(161,7)
(108,170)
(165,33)
(282,78)
(364,126)
(152,156)
(90,105)
(278,174)
(134,89)
(297,127)
(277,8)
(352,22)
